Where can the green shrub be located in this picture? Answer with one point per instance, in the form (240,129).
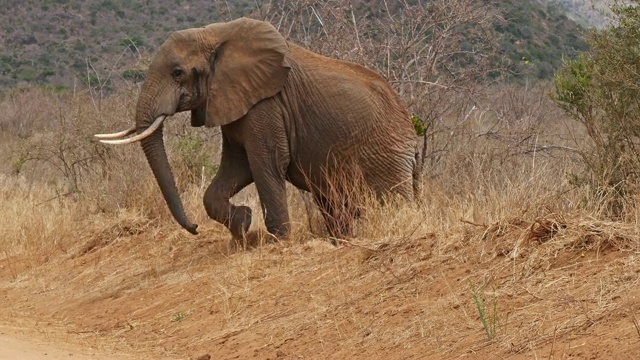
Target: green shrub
(600,90)
(79,46)
(47,72)
(26,74)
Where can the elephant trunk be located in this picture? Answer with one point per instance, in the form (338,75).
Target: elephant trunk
(153,147)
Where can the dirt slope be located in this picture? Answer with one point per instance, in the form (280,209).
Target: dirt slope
(563,289)
(19,346)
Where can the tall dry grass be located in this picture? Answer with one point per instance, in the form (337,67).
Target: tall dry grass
(58,181)
(490,152)
(497,188)
(508,155)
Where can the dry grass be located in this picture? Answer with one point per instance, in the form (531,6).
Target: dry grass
(104,265)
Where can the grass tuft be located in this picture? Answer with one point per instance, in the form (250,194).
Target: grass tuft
(489,320)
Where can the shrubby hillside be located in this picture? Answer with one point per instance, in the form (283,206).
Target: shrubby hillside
(537,35)
(69,41)
(73,43)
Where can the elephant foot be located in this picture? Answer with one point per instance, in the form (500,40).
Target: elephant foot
(240,221)
(260,237)
(252,240)
(340,226)
(340,233)
(279,232)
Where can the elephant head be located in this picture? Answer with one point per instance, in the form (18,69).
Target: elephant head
(218,72)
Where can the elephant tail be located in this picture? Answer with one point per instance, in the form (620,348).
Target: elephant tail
(417,172)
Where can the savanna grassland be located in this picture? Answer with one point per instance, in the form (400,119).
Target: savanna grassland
(509,251)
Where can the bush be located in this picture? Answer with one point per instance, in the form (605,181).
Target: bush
(600,90)
(79,46)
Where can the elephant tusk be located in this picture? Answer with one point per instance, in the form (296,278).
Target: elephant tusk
(117,135)
(156,124)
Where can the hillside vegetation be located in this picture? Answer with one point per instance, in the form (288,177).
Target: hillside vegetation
(74,43)
(536,36)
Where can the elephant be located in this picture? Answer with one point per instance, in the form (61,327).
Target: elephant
(286,114)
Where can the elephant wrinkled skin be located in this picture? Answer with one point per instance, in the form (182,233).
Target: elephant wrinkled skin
(286,114)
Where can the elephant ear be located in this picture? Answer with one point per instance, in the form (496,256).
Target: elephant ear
(249,65)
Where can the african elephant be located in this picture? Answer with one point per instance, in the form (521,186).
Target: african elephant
(286,114)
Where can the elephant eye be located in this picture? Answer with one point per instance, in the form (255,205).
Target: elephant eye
(177,73)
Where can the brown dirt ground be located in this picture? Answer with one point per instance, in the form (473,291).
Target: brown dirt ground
(21,343)
(563,289)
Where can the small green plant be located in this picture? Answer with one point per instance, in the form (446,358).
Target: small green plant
(17,163)
(132,42)
(178,317)
(488,322)
(418,125)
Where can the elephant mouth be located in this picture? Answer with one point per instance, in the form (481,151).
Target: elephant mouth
(117,137)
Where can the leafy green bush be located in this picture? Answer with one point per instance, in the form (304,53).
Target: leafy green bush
(79,46)
(47,72)
(600,90)
(26,73)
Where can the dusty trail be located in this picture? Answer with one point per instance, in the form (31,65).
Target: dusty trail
(15,346)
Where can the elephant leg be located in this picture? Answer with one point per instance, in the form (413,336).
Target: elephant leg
(233,175)
(273,198)
(267,148)
(338,215)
